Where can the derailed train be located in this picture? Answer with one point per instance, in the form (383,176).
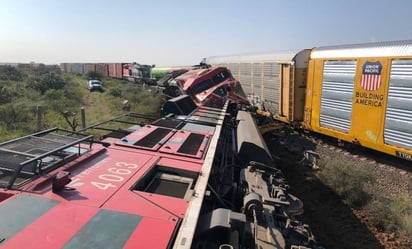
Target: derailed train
(359,93)
(136,72)
(199,177)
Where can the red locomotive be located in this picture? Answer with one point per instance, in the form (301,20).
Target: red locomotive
(199,177)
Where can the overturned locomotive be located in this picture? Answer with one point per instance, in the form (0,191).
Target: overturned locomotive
(198,177)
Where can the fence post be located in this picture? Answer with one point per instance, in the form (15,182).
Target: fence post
(83,114)
(38,116)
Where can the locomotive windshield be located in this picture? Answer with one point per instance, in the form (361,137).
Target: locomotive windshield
(209,83)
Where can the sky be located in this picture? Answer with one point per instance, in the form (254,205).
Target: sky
(182,32)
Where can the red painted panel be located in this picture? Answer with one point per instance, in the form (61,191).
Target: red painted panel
(173,205)
(175,163)
(143,132)
(134,203)
(102,68)
(152,233)
(53,229)
(125,147)
(89,67)
(126,69)
(115,70)
(148,204)
(98,179)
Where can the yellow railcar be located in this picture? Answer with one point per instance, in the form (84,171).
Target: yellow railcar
(356,93)
(363,94)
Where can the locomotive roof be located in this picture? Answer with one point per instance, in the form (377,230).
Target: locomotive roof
(375,49)
(133,193)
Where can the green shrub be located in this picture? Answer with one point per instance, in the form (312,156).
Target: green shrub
(94,75)
(406,226)
(116,92)
(347,181)
(392,215)
(11,73)
(47,81)
(16,115)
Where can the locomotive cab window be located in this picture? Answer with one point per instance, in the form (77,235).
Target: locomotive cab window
(202,86)
(220,77)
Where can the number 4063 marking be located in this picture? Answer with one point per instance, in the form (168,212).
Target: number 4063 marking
(115,174)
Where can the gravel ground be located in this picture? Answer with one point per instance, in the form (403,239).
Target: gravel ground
(335,224)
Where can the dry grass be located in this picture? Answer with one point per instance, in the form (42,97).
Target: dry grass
(392,215)
(347,181)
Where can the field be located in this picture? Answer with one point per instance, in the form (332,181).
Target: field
(61,96)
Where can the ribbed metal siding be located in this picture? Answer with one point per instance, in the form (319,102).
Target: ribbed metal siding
(271,86)
(246,77)
(257,81)
(337,94)
(398,121)
(376,49)
(234,69)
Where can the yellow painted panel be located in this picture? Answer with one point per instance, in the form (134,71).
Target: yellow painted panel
(285,94)
(316,93)
(369,100)
(309,96)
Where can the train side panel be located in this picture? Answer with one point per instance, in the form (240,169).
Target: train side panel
(66,67)
(274,82)
(364,99)
(77,68)
(115,70)
(89,67)
(102,68)
(297,87)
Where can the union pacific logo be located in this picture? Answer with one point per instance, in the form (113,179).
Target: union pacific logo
(371,76)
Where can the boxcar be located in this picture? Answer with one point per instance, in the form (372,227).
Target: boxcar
(89,67)
(275,82)
(102,68)
(115,70)
(363,94)
(66,67)
(77,68)
(358,93)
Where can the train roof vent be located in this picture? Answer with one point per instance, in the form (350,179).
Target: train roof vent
(149,137)
(191,144)
(187,144)
(22,158)
(153,138)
